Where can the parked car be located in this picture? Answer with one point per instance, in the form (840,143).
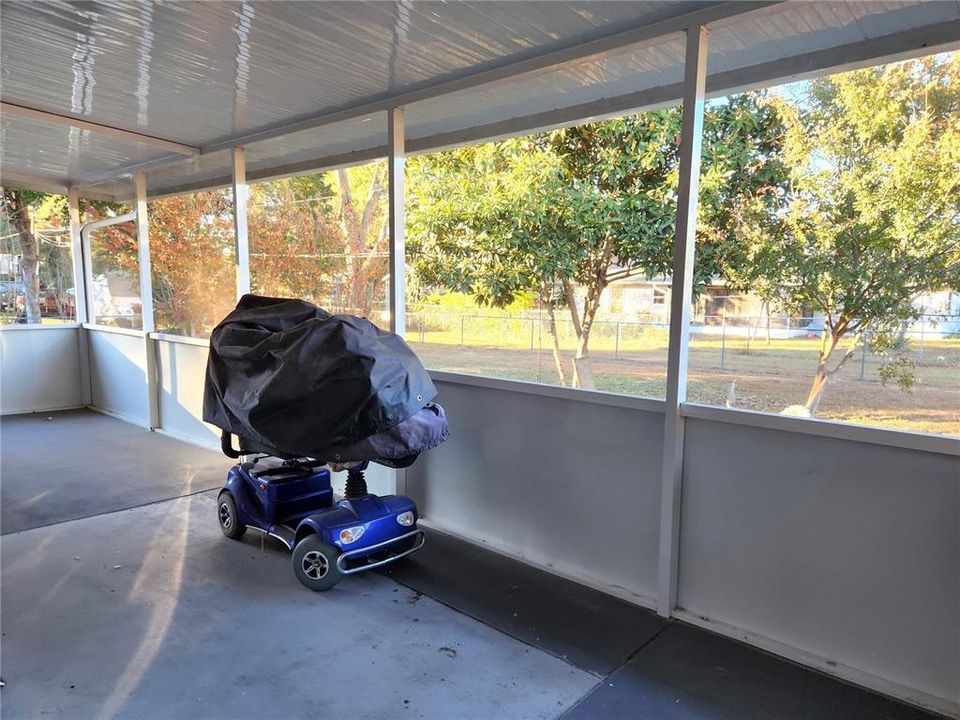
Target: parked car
(9,290)
(54,302)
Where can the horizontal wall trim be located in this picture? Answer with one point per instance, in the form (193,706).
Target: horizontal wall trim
(180,339)
(825,665)
(110,330)
(189,439)
(825,428)
(24,326)
(139,422)
(594,397)
(40,411)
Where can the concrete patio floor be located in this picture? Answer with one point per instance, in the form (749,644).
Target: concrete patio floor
(113,608)
(152,613)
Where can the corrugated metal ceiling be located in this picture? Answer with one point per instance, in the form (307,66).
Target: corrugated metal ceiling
(202,73)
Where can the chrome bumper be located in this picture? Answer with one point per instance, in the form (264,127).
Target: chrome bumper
(373,548)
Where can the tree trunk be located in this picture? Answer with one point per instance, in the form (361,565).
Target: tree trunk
(828,343)
(600,267)
(572,305)
(582,369)
(816,389)
(554,338)
(29,261)
(356,227)
(766,304)
(375,268)
(349,223)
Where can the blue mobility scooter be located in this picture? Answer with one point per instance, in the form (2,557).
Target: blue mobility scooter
(292,500)
(306,392)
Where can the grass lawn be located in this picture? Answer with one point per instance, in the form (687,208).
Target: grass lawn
(767,377)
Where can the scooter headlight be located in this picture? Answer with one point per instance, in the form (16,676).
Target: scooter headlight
(406,518)
(349,535)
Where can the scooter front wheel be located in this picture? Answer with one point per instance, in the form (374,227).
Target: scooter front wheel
(315,563)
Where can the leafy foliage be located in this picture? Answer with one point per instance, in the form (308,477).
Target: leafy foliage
(872,217)
(322,237)
(15,205)
(292,232)
(307,240)
(585,205)
(192,259)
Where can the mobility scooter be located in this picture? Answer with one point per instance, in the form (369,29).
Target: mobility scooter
(292,500)
(305,393)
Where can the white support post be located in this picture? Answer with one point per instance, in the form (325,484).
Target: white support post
(76,248)
(81,307)
(398,220)
(694,83)
(241,193)
(396,160)
(143,254)
(146,299)
(87,256)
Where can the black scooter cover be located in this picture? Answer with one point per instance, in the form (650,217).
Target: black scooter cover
(292,380)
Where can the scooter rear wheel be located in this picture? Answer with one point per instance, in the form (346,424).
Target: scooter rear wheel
(227,515)
(315,563)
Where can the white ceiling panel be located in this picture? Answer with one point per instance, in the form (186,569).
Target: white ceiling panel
(195,72)
(59,152)
(216,74)
(611,74)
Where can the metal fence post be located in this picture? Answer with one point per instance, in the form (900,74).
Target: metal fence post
(462,318)
(921,339)
(533,330)
(723,341)
(421,328)
(616,347)
(863,357)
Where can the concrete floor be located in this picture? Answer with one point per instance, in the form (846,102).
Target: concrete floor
(68,465)
(152,613)
(114,608)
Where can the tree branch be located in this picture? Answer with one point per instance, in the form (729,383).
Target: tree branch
(843,361)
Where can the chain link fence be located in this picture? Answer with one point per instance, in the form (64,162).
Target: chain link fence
(745,361)
(724,341)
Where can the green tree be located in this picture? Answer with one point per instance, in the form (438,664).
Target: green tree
(322,237)
(192,259)
(585,206)
(489,221)
(872,217)
(364,234)
(292,237)
(16,205)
